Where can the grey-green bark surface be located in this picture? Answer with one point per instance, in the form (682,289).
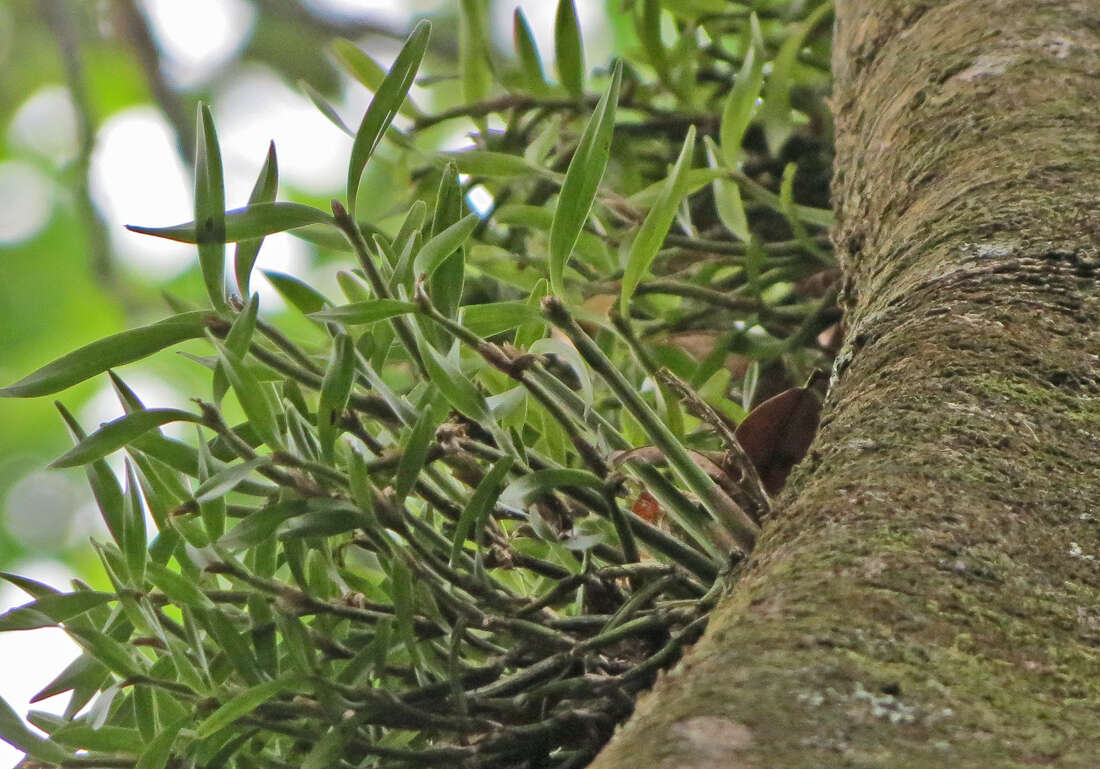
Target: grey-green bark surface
(928,593)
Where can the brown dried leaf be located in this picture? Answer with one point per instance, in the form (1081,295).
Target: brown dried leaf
(777,434)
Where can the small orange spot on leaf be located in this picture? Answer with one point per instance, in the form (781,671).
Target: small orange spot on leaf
(646,506)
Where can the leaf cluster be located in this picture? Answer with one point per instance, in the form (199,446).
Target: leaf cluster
(503,491)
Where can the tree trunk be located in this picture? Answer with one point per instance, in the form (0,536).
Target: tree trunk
(927,595)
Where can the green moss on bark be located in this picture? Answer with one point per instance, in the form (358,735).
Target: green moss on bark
(927,596)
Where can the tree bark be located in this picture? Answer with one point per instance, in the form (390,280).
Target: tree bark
(927,593)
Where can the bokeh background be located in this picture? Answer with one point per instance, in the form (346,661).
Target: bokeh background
(97,104)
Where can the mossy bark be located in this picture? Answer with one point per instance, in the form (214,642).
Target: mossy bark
(929,593)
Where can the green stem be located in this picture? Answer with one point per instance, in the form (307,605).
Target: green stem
(516,368)
(737,523)
(351,231)
(750,480)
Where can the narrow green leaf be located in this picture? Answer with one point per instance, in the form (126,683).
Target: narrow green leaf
(134,542)
(524,489)
(237,340)
(107,353)
(251,396)
(459,391)
(263,626)
(554,441)
(387,100)
(327,751)
(335,390)
(531,332)
(231,642)
(649,30)
(52,610)
(156,753)
(227,479)
(16,734)
(146,713)
(397,403)
(481,502)
(83,673)
(401,591)
(117,433)
(162,488)
(655,226)
(243,704)
(213,510)
(299,645)
(362,313)
(105,487)
(323,236)
(497,317)
(568,49)
(789,209)
(368,72)
(402,275)
(740,105)
(126,396)
(362,492)
(31,587)
(114,655)
(210,207)
(433,253)
(694,180)
(192,532)
(264,191)
(326,109)
(727,198)
(473,47)
(488,163)
(77,736)
(659,433)
(731,209)
(529,60)
(248,223)
(449,205)
(182,591)
(411,227)
(260,525)
(820,217)
(446,281)
(353,287)
(777,94)
(114,564)
(322,523)
(582,179)
(414,453)
(183,458)
(304,297)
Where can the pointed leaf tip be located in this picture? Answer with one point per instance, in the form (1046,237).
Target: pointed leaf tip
(582,180)
(384,106)
(106,353)
(210,207)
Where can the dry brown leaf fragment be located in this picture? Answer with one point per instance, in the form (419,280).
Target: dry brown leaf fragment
(777,434)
